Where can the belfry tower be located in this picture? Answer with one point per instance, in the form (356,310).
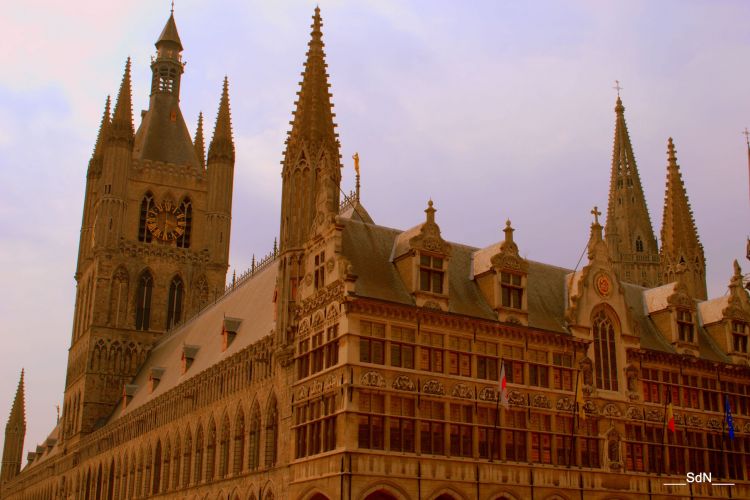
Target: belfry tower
(681,250)
(311,176)
(628,230)
(15,432)
(154,244)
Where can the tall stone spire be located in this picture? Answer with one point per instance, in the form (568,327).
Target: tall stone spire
(199,143)
(222,144)
(312,150)
(15,432)
(629,234)
(681,249)
(122,118)
(95,164)
(311,178)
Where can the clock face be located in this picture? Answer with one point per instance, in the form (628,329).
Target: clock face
(165,221)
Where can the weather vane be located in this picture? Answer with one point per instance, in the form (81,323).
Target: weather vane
(617,87)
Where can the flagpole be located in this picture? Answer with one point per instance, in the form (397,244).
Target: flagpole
(497,415)
(667,400)
(723,421)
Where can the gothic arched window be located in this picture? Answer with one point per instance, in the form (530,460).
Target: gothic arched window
(605,352)
(186,207)
(199,455)
(638,244)
(272,433)
(146,205)
(174,305)
(211,452)
(118,297)
(254,438)
(157,469)
(143,301)
(224,447)
(239,442)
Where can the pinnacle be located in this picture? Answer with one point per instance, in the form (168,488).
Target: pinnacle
(169,33)
(101,136)
(678,232)
(122,118)
(199,143)
(313,119)
(18,410)
(222,144)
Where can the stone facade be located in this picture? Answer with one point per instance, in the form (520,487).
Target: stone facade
(362,362)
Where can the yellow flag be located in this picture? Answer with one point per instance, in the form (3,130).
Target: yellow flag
(579,397)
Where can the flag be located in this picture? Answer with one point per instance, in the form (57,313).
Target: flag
(579,396)
(669,414)
(728,417)
(503,386)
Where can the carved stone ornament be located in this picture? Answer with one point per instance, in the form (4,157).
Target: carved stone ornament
(302,393)
(308,279)
(330,382)
(516,398)
(603,284)
(372,379)
(590,407)
(693,421)
(462,391)
(678,419)
(633,396)
(631,374)
(714,423)
(285,356)
(434,387)
(564,404)
(746,428)
(431,304)
(316,387)
(634,413)
(654,415)
(404,383)
(330,265)
(488,394)
(330,293)
(541,401)
(611,410)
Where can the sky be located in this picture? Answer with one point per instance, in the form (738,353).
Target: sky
(494,109)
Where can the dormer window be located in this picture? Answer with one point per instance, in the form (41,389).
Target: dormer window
(512,291)
(319,270)
(739,336)
(685,330)
(638,244)
(431,273)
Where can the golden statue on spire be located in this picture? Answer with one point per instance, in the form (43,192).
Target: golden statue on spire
(356,162)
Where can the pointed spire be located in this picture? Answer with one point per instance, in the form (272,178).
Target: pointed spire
(313,119)
(122,118)
(18,410)
(222,144)
(95,162)
(680,245)
(628,229)
(199,143)
(169,34)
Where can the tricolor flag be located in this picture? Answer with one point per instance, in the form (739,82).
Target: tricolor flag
(503,386)
(728,417)
(579,397)
(669,414)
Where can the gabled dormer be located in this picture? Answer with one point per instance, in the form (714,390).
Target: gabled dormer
(674,313)
(422,256)
(727,319)
(502,276)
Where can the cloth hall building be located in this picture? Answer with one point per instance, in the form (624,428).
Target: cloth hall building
(362,362)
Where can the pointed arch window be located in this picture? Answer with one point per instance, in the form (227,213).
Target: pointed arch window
(174,304)
(143,301)
(157,469)
(118,297)
(186,207)
(224,448)
(239,442)
(639,244)
(147,204)
(272,433)
(605,352)
(211,452)
(254,439)
(198,455)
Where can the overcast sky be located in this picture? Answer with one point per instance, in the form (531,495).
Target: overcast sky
(494,109)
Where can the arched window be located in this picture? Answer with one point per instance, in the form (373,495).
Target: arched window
(186,207)
(143,301)
(118,297)
(199,455)
(211,451)
(224,447)
(272,431)
(638,244)
(176,463)
(254,438)
(174,305)
(239,442)
(605,352)
(187,462)
(146,205)
(157,469)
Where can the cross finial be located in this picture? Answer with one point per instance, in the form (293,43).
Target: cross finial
(617,87)
(746,133)
(596,213)
(172,11)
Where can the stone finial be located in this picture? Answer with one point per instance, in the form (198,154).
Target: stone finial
(430,211)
